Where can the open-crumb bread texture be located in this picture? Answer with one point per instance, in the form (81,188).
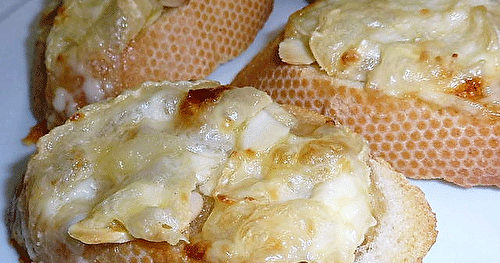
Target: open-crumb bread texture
(65,223)
(173,40)
(419,139)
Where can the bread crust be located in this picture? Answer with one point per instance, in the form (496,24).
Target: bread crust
(403,203)
(405,229)
(418,139)
(186,42)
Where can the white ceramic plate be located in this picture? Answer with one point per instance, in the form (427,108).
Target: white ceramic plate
(468,219)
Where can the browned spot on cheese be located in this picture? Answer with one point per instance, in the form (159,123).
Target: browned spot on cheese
(196,102)
(130,134)
(273,194)
(311,229)
(282,156)
(209,95)
(317,151)
(61,59)
(275,243)
(47,18)
(79,161)
(61,14)
(184,197)
(225,199)
(250,152)
(349,57)
(425,11)
(470,89)
(36,132)
(117,226)
(197,250)
(77,116)
(165,226)
(424,56)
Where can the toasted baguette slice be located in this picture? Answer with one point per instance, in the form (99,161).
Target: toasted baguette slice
(180,40)
(218,161)
(419,139)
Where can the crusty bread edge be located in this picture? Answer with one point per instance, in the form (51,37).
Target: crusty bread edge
(406,226)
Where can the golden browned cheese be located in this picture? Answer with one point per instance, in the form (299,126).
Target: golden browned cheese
(186,42)
(243,179)
(418,139)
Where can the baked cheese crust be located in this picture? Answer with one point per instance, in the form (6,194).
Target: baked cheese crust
(144,165)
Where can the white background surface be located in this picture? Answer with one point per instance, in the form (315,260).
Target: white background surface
(468,219)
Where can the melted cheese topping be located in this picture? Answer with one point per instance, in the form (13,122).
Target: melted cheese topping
(137,167)
(446,52)
(88,24)
(303,200)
